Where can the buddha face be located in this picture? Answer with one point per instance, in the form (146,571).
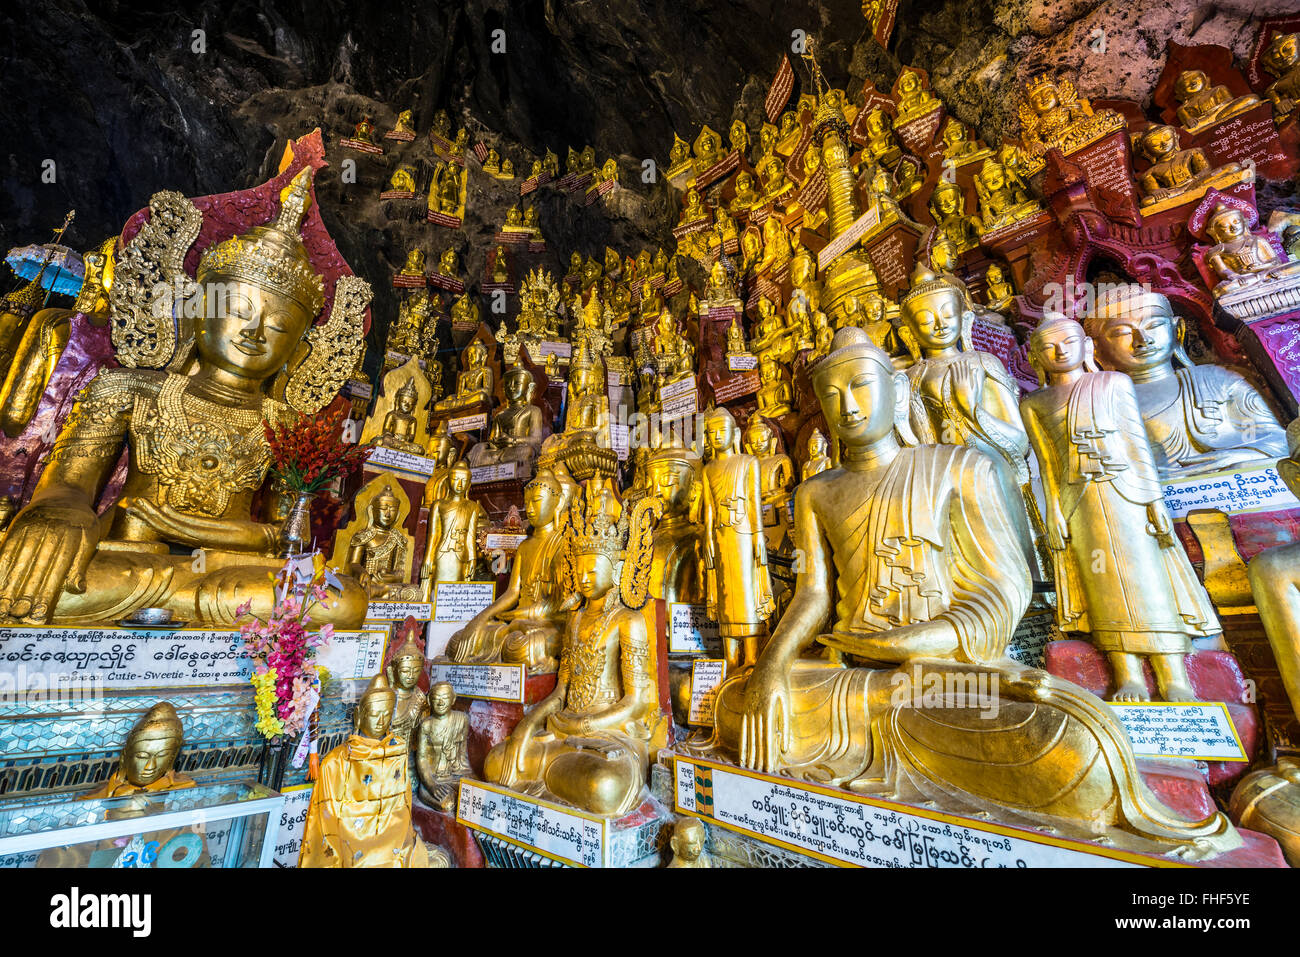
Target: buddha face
(954,134)
(767,371)
(1282,53)
(249,331)
(671,482)
(787,124)
(1158,142)
(405,401)
(1044,98)
(540,500)
(595,575)
(375,715)
(993,177)
(744,185)
(384,510)
(1059,347)
(719,433)
(575,262)
(1141,338)
(460,479)
(816,445)
(516,386)
(1189,83)
(874,310)
(857,396)
(406,671)
(935,318)
(946,202)
(908,83)
(441,697)
(758,438)
(476,355)
(944,256)
(765,308)
(1227,226)
(877,123)
(993,276)
(149,756)
(688,841)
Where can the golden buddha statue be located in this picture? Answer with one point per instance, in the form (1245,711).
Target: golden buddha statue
(586,422)
(708,150)
(465,311)
(679,155)
(776,247)
(8,507)
(958,146)
(746,197)
(948,207)
(871,312)
(403,673)
(695,211)
(449,263)
(1201,105)
(772,175)
(671,475)
(998,290)
(402,181)
(442,749)
(721,287)
(364,131)
(770,335)
(360,811)
(375,547)
(650,307)
(474,382)
(1102,489)
(798,322)
(910,560)
(674,357)
(1052,115)
(819,459)
(197,447)
(514,220)
(1001,202)
(738,588)
(492,163)
(447,189)
(404,123)
(823,334)
(687,844)
(913,99)
(539,300)
(590,742)
(1176,174)
(414,265)
(1199,418)
(442,125)
(775,394)
(1282,60)
(454,519)
(401,427)
(736,337)
(882,147)
(507,168)
(517,430)
(147,764)
(1238,257)
(444,453)
(525,623)
(776,478)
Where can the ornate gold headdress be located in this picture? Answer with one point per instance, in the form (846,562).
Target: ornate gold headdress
(408,389)
(595,530)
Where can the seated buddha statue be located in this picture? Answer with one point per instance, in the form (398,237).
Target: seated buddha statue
(746,197)
(999,293)
(911,569)
(364,132)
(819,459)
(879,196)
(882,146)
(379,554)
(444,453)
(507,168)
(414,265)
(402,180)
(913,99)
(517,430)
(1282,60)
(1239,257)
(198,451)
(442,125)
(400,428)
(1201,104)
(449,263)
(770,335)
(452,549)
(525,624)
(1199,418)
(822,335)
(1053,115)
(958,145)
(492,163)
(514,220)
(736,337)
(948,207)
(474,382)
(798,322)
(694,211)
(772,175)
(533,223)
(651,305)
(679,154)
(589,743)
(147,763)
(774,394)
(1001,202)
(586,420)
(1177,173)
(776,247)
(404,123)
(674,356)
(708,150)
(465,311)
(442,749)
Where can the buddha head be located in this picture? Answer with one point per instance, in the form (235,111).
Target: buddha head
(817,445)
(1226,223)
(7,509)
(992,176)
(406,397)
(943,255)
(152,745)
(688,840)
(441,698)
(1189,84)
(374,712)
(1282,54)
(872,309)
(260,293)
(385,508)
(909,81)
(934,311)
(946,201)
(768,370)
(877,124)
(508,167)
(575,262)
(406,666)
(1059,345)
(766,310)
(1042,94)
(954,134)
(459,478)
(1157,143)
(447,263)
(692,198)
(442,123)
(513,216)
(441,448)
(1135,331)
(721,434)
(744,186)
(739,135)
(518,385)
(475,355)
(993,276)
(759,438)
(598,543)
(862,397)
(542,498)
(671,471)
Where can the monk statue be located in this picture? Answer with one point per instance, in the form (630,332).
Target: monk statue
(1104,498)
(738,588)
(148,759)
(403,673)
(590,741)
(379,553)
(912,567)
(442,749)
(1202,105)
(1199,418)
(454,520)
(517,430)
(687,844)
(525,624)
(198,451)
(360,811)
(474,382)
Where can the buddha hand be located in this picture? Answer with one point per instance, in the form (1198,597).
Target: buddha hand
(200,532)
(48,547)
(765,727)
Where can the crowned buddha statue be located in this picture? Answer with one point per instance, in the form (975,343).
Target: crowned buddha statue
(1202,104)
(400,429)
(451,552)
(1102,489)
(589,743)
(378,553)
(360,810)
(147,763)
(525,623)
(737,585)
(882,146)
(442,749)
(1199,418)
(913,99)
(517,430)
(1001,202)
(539,305)
(948,207)
(1053,115)
(776,478)
(1176,173)
(1282,60)
(403,673)
(964,396)
(819,459)
(406,336)
(474,382)
(198,451)
(911,566)
(1238,257)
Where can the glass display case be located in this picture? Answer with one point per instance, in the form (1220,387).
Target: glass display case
(215,825)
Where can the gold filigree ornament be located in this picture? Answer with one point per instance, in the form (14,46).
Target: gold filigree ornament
(634,583)
(334,347)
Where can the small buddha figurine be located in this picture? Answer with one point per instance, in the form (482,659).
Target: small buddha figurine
(442,125)
(1238,257)
(695,211)
(379,554)
(492,164)
(589,743)
(798,318)
(574,275)
(1104,498)
(404,123)
(958,145)
(1001,202)
(474,382)
(364,131)
(680,153)
(775,393)
(776,247)
(1282,60)
(406,336)
(674,356)
(1201,105)
(687,844)
(414,265)
(1176,173)
(514,220)
(465,311)
(449,263)
(402,180)
(882,146)
(998,290)
(772,175)
(360,810)
(454,520)
(507,168)
(517,430)
(735,337)
(721,287)
(442,749)
(708,150)
(1199,418)
(403,673)
(447,189)
(738,588)
(822,335)
(500,266)
(532,223)
(947,206)
(776,477)
(148,758)
(444,454)
(770,334)
(746,197)
(914,100)
(738,137)
(525,623)
(400,427)
(1053,115)
(819,459)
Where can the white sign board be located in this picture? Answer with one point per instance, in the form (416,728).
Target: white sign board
(1197,730)
(689,629)
(492,473)
(556,832)
(461,601)
(398,610)
(1257,489)
(486,682)
(467,423)
(293,821)
(707,675)
(401,461)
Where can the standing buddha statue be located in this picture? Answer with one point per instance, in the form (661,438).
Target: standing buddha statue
(454,521)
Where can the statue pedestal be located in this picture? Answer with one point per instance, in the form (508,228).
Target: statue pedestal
(441,828)
(1274,346)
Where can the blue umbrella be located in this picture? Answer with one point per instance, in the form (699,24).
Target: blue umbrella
(64,269)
